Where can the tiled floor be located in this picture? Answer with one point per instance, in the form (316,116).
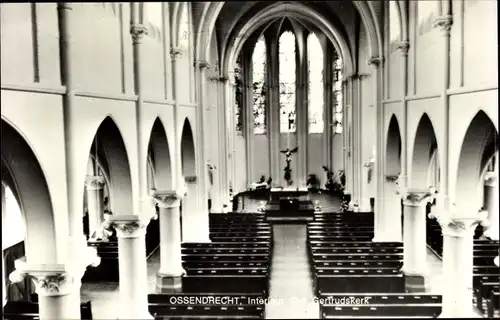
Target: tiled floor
(291,294)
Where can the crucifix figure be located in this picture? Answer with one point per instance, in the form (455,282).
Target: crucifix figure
(288,171)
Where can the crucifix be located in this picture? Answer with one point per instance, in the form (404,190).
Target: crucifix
(288,171)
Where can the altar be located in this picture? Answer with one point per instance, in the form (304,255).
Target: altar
(289,204)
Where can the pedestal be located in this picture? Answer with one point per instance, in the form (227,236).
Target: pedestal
(95,205)
(131,233)
(414,234)
(458,245)
(169,276)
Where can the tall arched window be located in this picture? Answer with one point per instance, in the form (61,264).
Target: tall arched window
(394,22)
(287,81)
(184,29)
(153,14)
(13,220)
(337,95)
(259,92)
(316,93)
(238,114)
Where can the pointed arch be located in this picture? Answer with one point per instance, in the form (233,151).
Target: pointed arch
(21,167)
(425,143)
(287,82)
(188,155)
(479,145)
(159,156)
(108,144)
(393,148)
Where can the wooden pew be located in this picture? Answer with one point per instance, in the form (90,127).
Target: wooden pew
(359,281)
(219,281)
(193,245)
(379,305)
(30,310)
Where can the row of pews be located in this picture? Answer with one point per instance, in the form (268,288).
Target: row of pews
(108,270)
(486,275)
(225,279)
(355,277)
(29,310)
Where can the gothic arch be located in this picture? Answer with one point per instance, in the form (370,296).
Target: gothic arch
(188,158)
(28,181)
(110,144)
(478,146)
(294,10)
(212,10)
(425,143)
(393,148)
(159,156)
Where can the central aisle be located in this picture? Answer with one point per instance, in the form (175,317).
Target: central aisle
(290,291)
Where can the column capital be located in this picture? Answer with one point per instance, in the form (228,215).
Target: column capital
(403,47)
(416,197)
(49,279)
(94,182)
(444,22)
(129,226)
(167,198)
(175,52)
(456,223)
(490,179)
(202,64)
(376,61)
(138,31)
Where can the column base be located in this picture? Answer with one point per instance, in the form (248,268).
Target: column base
(415,283)
(496,261)
(169,281)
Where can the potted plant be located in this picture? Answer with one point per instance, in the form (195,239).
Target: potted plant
(312,182)
(330,183)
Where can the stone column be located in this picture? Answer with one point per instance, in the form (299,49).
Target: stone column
(491,205)
(225,90)
(272,109)
(328,104)
(131,233)
(170,274)
(414,233)
(195,225)
(58,285)
(95,204)
(458,235)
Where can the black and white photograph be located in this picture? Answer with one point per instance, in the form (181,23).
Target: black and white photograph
(249,160)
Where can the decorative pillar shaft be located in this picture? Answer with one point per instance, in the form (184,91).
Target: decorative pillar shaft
(302,110)
(491,205)
(247,115)
(415,246)
(328,104)
(225,91)
(170,274)
(346,123)
(175,55)
(458,246)
(95,204)
(445,22)
(131,233)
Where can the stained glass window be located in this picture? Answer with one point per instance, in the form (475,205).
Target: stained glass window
(184,28)
(337,95)
(259,91)
(287,82)
(316,94)
(238,97)
(394,23)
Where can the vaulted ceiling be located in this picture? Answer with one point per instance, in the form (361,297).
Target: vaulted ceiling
(241,21)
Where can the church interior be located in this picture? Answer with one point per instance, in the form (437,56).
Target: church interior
(250,160)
